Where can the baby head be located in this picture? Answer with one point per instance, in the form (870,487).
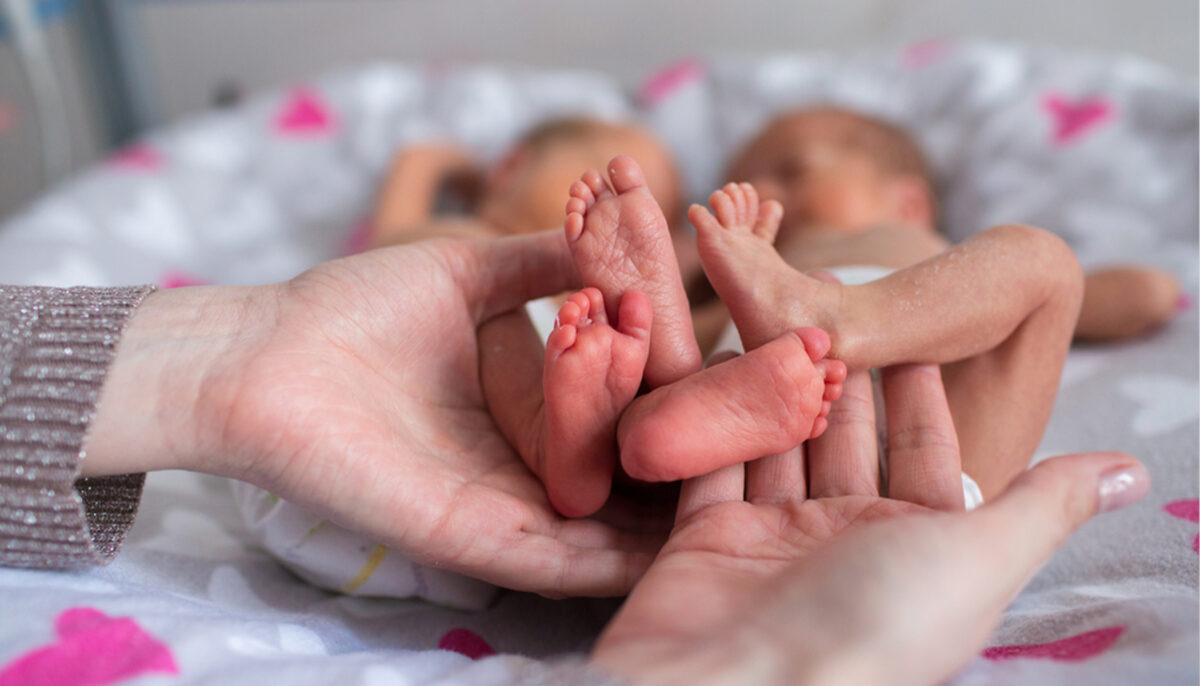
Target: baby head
(836,169)
(527,190)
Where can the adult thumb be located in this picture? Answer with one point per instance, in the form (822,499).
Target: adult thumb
(1046,504)
(505,273)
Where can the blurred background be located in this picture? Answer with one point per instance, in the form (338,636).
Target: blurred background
(78,77)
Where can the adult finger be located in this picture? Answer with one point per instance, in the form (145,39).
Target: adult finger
(923,461)
(945,577)
(1036,514)
(845,459)
(724,484)
(776,478)
(995,550)
(546,565)
(502,274)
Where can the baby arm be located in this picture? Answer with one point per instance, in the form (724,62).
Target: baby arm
(998,311)
(1126,301)
(405,204)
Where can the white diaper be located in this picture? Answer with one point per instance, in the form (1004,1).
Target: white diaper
(854,276)
(327,555)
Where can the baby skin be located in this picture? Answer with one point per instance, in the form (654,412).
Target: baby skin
(998,311)
(762,403)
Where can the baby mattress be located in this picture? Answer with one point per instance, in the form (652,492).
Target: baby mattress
(1101,150)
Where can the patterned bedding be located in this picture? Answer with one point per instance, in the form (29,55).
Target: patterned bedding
(1101,150)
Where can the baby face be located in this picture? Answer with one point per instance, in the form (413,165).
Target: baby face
(808,164)
(535,190)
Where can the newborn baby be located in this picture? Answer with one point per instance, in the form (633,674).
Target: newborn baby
(999,310)
(523,192)
(560,406)
(857,190)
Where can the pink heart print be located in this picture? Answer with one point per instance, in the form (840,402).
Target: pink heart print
(136,157)
(1189,510)
(671,79)
(178,279)
(926,52)
(1072,118)
(359,239)
(93,649)
(1071,649)
(466,642)
(304,114)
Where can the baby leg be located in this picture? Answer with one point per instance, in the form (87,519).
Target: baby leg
(1123,302)
(761,403)
(592,372)
(998,311)
(510,373)
(559,409)
(620,241)
(1003,305)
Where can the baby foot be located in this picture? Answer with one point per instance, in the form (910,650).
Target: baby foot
(764,402)
(620,241)
(765,295)
(593,371)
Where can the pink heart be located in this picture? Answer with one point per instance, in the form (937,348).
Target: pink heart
(92,649)
(1189,510)
(1071,649)
(1184,509)
(924,52)
(304,114)
(466,642)
(178,279)
(138,157)
(359,239)
(670,79)
(1072,118)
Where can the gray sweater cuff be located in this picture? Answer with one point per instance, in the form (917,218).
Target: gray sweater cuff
(56,346)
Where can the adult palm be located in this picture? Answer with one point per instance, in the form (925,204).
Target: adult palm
(353,390)
(739,526)
(823,581)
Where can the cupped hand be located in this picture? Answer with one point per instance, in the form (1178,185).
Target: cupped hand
(782,572)
(353,390)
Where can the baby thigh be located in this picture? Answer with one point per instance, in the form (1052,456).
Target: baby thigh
(1001,399)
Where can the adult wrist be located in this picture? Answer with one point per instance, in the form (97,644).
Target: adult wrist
(161,401)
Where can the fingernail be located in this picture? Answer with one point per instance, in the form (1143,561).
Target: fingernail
(1122,487)
(1183,303)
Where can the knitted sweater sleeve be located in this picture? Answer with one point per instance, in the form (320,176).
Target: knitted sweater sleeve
(55,349)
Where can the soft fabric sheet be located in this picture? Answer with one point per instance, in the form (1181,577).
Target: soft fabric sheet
(1100,150)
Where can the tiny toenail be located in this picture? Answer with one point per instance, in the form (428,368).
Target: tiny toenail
(1183,303)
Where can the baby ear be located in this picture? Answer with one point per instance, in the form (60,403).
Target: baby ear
(912,200)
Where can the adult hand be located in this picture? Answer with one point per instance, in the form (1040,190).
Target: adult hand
(772,577)
(353,390)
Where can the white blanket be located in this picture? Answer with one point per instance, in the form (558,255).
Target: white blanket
(1101,150)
